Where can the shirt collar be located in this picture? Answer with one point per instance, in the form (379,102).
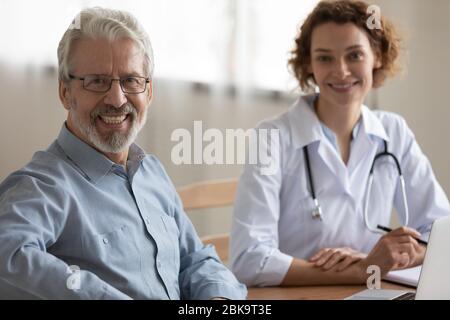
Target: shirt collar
(135,157)
(136,153)
(93,163)
(331,136)
(306,127)
(372,124)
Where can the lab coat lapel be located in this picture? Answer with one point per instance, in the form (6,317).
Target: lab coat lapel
(364,148)
(306,130)
(361,158)
(334,163)
(361,149)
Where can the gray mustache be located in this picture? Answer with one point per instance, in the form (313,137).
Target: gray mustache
(109,110)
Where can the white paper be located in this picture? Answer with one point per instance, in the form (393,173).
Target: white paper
(408,276)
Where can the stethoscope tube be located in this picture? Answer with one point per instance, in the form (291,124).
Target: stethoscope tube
(317,211)
(386,153)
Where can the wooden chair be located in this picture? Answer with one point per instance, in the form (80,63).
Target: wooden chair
(211,194)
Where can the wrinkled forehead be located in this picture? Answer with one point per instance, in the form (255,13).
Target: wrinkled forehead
(118,57)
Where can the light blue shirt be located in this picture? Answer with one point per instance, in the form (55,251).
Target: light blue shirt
(124,229)
(331,136)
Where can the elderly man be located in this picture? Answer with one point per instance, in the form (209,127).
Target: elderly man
(93,217)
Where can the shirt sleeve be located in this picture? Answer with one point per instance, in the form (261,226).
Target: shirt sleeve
(255,257)
(425,197)
(202,275)
(33,212)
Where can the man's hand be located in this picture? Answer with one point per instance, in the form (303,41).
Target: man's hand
(337,258)
(397,250)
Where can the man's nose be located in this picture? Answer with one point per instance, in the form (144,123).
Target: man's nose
(115,96)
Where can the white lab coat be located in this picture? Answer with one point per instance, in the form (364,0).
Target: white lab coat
(273,221)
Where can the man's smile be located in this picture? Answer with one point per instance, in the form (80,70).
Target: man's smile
(115,122)
(116,119)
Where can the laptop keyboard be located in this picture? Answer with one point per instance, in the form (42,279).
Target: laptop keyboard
(406,296)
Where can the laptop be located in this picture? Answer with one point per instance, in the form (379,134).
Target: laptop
(434,280)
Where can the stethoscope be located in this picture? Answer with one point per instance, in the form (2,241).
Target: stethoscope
(317,210)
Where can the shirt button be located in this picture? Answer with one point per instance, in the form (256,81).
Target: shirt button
(158,264)
(147,221)
(105,241)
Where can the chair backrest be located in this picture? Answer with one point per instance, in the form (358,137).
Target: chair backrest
(211,194)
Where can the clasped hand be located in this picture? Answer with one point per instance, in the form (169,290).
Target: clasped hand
(395,250)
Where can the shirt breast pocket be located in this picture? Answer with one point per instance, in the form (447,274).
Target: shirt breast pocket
(111,250)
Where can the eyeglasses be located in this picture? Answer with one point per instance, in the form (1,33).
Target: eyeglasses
(101,83)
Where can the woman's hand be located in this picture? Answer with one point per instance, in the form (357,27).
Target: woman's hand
(397,250)
(338,258)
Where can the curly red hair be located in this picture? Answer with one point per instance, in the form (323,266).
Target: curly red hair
(385,41)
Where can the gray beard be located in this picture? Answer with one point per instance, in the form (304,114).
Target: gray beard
(112,143)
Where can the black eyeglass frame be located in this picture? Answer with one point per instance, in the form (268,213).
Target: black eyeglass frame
(147,80)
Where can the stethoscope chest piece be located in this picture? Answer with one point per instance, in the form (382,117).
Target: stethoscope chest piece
(317,211)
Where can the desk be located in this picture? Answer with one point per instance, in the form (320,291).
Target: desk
(315,292)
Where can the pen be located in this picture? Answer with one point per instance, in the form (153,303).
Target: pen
(389,230)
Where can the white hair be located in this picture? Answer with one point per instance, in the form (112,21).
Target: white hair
(95,23)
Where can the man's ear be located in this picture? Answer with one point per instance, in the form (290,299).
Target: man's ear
(150,92)
(64,92)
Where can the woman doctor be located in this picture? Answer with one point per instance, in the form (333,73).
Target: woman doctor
(314,220)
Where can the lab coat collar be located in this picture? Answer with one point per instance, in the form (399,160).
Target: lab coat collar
(373,125)
(306,128)
(304,124)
